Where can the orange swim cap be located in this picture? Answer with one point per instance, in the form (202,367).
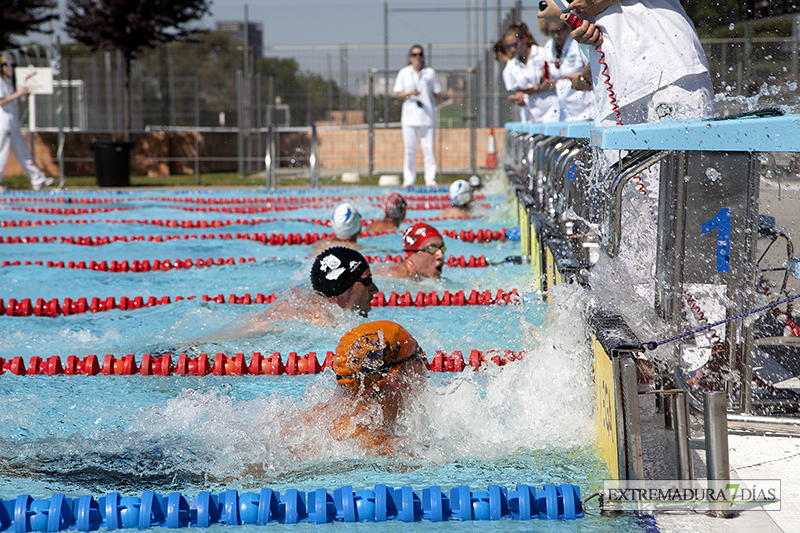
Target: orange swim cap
(367,353)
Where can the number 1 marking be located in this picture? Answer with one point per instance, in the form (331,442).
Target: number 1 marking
(722,223)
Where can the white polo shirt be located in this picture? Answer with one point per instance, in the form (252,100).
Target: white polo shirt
(541,107)
(9,113)
(648,45)
(573,105)
(427,83)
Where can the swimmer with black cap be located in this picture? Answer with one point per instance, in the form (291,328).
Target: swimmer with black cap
(379,368)
(346,226)
(424,255)
(395,210)
(340,277)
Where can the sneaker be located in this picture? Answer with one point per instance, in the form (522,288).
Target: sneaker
(46,183)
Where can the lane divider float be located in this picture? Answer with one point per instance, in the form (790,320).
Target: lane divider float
(183,264)
(305,201)
(228,365)
(273,239)
(52,307)
(197,224)
(269,208)
(112,511)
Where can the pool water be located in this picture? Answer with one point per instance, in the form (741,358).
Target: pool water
(528,422)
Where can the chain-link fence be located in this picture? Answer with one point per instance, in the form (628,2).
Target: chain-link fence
(208,85)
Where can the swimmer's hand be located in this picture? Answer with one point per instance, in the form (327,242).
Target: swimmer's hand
(586,33)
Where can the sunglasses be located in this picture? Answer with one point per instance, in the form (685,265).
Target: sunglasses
(431,249)
(512,46)
(417,54)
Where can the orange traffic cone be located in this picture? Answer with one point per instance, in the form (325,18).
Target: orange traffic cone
(491,153)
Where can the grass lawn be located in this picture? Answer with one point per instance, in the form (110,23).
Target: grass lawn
(218,180)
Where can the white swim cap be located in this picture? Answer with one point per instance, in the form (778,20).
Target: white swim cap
(346,221)
(460,193)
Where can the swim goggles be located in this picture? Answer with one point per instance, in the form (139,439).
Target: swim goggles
(431,249)
(365,281)
(388,369)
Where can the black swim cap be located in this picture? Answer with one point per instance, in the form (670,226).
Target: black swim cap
(336,269)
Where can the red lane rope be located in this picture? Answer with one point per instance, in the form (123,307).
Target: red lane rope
(229,365)
(198,224)
(425,206)
(275,239)
(182,264)
(300,200)
(53,308)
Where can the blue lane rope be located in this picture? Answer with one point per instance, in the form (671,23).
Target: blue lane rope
(652,345)
(85,513)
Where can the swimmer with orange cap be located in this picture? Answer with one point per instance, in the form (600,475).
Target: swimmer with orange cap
(379,367)
(424,255)
(395,209)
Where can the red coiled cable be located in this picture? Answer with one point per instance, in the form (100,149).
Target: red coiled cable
(609,87)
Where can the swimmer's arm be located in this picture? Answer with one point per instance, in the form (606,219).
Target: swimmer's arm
(380,442)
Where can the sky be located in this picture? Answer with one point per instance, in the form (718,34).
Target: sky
(303,24)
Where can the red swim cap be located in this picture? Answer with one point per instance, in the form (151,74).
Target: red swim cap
(395,206)
(414,236)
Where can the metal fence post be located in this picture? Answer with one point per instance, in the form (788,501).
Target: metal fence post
(717,459)
(313,158)
(371,121)
(680,409)
(240,121)
(473,115)
(268,160)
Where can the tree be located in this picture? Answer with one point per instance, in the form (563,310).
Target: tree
(129,26)
(20,17)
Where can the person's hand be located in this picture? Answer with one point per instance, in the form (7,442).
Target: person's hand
(518,97)
(547,85)
(577,84)
(589,7)
(587,33)
(551,14)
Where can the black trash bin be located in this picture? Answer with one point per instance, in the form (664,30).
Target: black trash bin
(112,162)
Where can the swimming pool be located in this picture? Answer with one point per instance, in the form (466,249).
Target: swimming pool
(529,421)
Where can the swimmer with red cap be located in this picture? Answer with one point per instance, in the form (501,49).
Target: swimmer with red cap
(379,367)
(424,255)
(395,209)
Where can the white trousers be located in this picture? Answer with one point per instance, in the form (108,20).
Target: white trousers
(13,140)
(425,134)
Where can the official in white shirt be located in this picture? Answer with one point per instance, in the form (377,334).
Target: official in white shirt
(417,86)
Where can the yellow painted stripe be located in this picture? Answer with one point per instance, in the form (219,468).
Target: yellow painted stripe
(605,412)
